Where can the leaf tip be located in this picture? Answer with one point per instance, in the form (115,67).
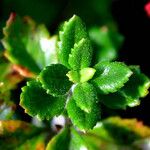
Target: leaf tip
(11,18)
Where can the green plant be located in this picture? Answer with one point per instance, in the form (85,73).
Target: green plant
(72,75)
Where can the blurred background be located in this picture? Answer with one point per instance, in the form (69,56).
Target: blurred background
(126,16)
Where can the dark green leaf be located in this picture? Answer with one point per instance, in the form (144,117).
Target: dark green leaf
(37,102)
(60,141)
(28,44)
(114,100)
(81,119)
(106,42)
(136,87)
(54,79)
(73,31)
(81,55)
(85,96)
(111,76)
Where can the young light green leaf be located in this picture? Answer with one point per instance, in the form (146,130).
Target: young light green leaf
(73,31)
(37,102)
(106,43)
(54,79)
(85,96)
(86,74)
(60,141)
(28,44)
(81,76)
(74,76)
(136,87)
(110,76)
(81,55)
(81,119)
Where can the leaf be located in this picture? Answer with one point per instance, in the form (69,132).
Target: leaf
(73,31)
(116,133)
(81,119)
(130,93)
(137,87)
(86,74)
(37,102)
(114,100)
(78,142)
(74,76)
(35,143)
(119,128)
(81,76)
(54,79)
(106,42)
(60,141)
(110,76)
(7,110)
(14,133)
(81,55)
(85,96)
(8,79)
(28,44)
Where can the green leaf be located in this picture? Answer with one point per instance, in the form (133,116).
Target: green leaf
(78,142)
(110,76)
(130,93)
(54,79)
(81,55)
(106,43)
(28,44)
(14,133)
(85,96)
(114,100)
(73,31)
(81,119)
(137,87)
(37,102)
(60,141)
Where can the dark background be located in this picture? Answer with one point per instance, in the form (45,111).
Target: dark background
(134,24)
(132,20)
